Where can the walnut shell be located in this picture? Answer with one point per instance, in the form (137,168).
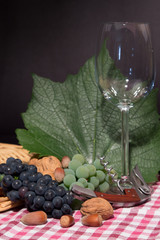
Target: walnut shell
(97,205)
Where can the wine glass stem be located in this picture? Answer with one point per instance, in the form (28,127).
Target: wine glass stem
(125,142)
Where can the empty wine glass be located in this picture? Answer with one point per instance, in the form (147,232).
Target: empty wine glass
(125,70)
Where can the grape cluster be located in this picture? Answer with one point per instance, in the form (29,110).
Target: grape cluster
(40,192)
(92,176)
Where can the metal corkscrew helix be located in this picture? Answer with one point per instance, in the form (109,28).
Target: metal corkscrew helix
(108,169)
(113,175)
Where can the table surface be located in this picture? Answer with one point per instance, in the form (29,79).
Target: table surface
(140,222)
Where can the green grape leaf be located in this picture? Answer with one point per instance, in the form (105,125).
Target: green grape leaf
(73,117)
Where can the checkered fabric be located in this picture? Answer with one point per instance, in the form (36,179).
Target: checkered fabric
(140,222)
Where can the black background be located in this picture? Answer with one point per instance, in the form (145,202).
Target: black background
(54,39)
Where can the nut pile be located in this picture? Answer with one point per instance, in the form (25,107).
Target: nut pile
(94,211)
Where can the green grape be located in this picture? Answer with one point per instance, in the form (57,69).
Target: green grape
(79,157)
(100,175)
(109,178)
(69,171)
(92,169)
(91,186)
(76,183)
(83,181)
(74,164)
(104,187)
(82,172)
(94,181)
(114,172)
(98,165)
(69,179)
(62,184)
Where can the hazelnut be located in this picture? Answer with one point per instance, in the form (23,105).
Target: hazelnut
(65,161)
(34,218)
(59,174)
(93,220)
(66,221)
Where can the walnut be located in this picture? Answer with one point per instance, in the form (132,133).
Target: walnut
(97,205)
(46,165)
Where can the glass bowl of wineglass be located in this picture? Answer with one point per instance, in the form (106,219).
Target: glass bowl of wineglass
(125,71)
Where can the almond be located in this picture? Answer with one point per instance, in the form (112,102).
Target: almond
(65,161)
(59,174)
(34,218)
(66,221)
(93,220)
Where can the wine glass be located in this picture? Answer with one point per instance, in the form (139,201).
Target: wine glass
(125,71)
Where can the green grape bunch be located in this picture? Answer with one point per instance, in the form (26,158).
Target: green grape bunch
(92,176)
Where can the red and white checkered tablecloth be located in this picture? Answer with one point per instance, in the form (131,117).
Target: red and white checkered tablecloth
(140,222)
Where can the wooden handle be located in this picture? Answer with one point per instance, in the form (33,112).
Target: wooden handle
(129,196)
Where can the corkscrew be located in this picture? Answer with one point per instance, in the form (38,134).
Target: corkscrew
(135,180)
(119,182)
(129,191)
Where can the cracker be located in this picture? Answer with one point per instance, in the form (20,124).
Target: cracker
(9,205)
(12,150)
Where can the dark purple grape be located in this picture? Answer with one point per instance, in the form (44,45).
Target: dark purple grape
(47,178)
(39,175)
(2,166)
(40,189)
(41,181)
(67,198)
(10,160)
(20,168)
(44,180)
(66,209)
(48,206)
(52,185)
(29,196)
(24,175)
(25,166)
(60,191)
(9,170)
(31,186)
(57,202)
(7,181)
(17,160)
(56,213)
(22,191)
(68,193)
(25,182)
(16,184)
(49,194)
(32,168)
(13,195)
(38,201)
(33,177)
(12,166)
